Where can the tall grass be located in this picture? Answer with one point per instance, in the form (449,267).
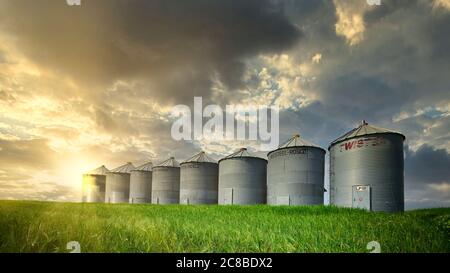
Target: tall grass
(48,227)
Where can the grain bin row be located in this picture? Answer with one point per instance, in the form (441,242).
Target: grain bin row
(366,171)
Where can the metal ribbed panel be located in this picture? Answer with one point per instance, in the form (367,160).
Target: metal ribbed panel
(242,181)
(374,160)
(166,185)
(117,188)
(118,184)
(295,176)
(140,187)
(94,188)
(199,183)
(93,185)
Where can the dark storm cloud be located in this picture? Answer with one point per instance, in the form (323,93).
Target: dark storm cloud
(427,165)
(427,128)
(176,45)
(312,122)
(427,178)
(401,66)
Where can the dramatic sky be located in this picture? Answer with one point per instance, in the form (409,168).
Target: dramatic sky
(92,85)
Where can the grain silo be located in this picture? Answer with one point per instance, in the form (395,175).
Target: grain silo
(295,174)
(166,182)
(242,179)
(118,184)
(141,184)
(94,183)
(366,169)
(199,178)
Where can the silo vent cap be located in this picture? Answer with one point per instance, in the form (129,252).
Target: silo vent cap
(297,141)
(243,152)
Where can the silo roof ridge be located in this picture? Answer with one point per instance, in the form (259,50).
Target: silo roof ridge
(127,168)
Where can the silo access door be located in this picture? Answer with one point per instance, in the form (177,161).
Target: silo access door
(228,196)
(362,197)
(284,200)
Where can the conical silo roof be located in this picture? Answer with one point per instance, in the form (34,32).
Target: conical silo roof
(171,162)
(296,141)
(147,167)
(364,129)
(127,168)
(201,157)
(243,152)
(102,170)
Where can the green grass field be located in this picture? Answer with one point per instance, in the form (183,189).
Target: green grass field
(47,227)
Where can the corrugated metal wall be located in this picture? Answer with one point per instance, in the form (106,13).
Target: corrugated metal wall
(166,185)
(94,188)
(295,176)
(242,181)
(373,160)
(199,183)
(117,188)
(140,187)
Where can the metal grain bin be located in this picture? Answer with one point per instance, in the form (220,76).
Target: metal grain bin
(242,179)
(166,183)
(94,183)
(295,174)
(366,169)
(199,178)
(118,184)
(141,184)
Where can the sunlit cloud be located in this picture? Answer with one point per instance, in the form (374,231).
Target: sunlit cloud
(445,4)
(77,96)
(350,19)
